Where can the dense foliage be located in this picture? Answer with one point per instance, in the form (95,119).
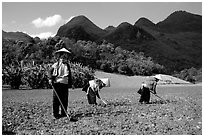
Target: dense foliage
(192,75)
(35,76)
(81,74)
(12,75)
(104,56)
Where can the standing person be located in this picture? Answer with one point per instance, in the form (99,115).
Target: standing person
(148,86)
(61,80)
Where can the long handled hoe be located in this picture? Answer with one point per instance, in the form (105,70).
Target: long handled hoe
(158,96)
(104,101)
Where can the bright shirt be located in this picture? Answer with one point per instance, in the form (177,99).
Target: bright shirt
(61,72)
(151,84)
(93,85)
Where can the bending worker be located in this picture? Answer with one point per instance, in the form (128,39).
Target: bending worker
(92,90)
(61,80)
(148,86)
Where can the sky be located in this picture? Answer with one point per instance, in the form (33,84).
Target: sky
(43,19)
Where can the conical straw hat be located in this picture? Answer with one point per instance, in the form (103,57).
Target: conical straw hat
(158,77)
(63,50)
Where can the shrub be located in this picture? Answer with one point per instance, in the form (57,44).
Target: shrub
(192,75)
(35,76)
(81,74)
(124,69)
(106,66)
(12,75)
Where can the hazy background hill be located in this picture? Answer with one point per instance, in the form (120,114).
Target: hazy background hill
(17,36)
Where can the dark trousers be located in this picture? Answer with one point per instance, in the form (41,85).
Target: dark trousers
(145,95)
(91,97)
(62,92)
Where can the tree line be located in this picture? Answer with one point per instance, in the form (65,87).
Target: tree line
(104,56)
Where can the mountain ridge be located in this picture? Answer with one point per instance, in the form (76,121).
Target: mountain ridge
(168,42)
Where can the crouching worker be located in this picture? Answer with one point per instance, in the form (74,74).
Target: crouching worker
(92,90)
(61,80)
(148,86)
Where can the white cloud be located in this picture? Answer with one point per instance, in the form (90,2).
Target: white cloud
(43,35)
(48,22)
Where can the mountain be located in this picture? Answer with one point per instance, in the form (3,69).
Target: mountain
(178,41)
(125,35)
(175,42)
(144,22)
(109,28)
(80,28)
(181,21)
(17,36)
